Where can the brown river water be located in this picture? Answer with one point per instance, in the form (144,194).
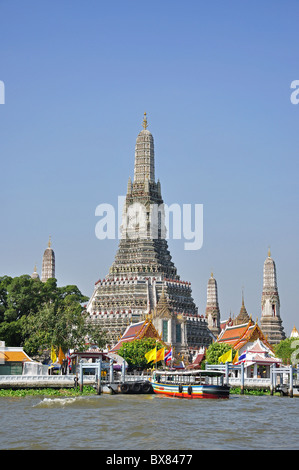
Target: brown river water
(149,422)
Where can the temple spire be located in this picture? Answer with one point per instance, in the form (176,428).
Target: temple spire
(48,265)
(212,307)
(35,275)
(144,167)
(144,122)
(271,323)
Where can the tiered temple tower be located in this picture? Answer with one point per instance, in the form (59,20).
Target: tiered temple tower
(212,308)
(143,266)
(48,266)
(271,323)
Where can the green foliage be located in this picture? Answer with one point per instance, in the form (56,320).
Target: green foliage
(134,352)
(288,350)
(37,315)
(215,350)
(256,392)
(48,392)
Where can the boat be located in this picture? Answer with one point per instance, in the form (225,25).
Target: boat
(190,384)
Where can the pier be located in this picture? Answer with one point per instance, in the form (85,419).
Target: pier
(100,375)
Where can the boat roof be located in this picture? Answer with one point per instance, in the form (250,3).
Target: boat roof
(209,373)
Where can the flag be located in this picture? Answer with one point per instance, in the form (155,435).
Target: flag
(226,357)
(151,355)
(53,355)
(61,356)
(68,356)
(168,356)
(160,355)
(242,357)
(236,358)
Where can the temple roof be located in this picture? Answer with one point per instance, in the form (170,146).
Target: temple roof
(243,316)
(196,364)
(14,355)
(163,308)
(258,347)
(143,329)
(238,335)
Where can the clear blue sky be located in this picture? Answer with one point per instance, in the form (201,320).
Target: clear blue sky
(214,78)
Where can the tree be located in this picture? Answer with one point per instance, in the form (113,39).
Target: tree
(288,350)
(215,350)
(37,315)
(61,325)
(134,351)
(18,297)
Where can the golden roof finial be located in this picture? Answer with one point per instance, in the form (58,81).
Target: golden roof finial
(269,252)
(144,122)
(49,242)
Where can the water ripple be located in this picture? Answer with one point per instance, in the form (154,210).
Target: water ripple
(149,422)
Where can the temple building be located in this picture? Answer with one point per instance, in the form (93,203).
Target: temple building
(143,267)
(252,347)
(136,331)
(48,266)
(212,307)
(271,323)
(173,327)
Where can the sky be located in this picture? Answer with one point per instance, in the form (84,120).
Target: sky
(215,80)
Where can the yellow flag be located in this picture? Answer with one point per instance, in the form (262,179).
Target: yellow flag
(226,357)
(160,355)
(61,356)
(236,358)
(53,355)
(151,355)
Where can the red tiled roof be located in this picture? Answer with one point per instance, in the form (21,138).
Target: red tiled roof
(196,364)
(135,331)
(237,336)
(233,334)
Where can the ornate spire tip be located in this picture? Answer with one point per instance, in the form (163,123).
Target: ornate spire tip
(144,122)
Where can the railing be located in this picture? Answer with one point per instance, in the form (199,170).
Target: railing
(284,376)
(36,380)
(250,382)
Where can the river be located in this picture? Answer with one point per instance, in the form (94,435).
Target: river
(149,422)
